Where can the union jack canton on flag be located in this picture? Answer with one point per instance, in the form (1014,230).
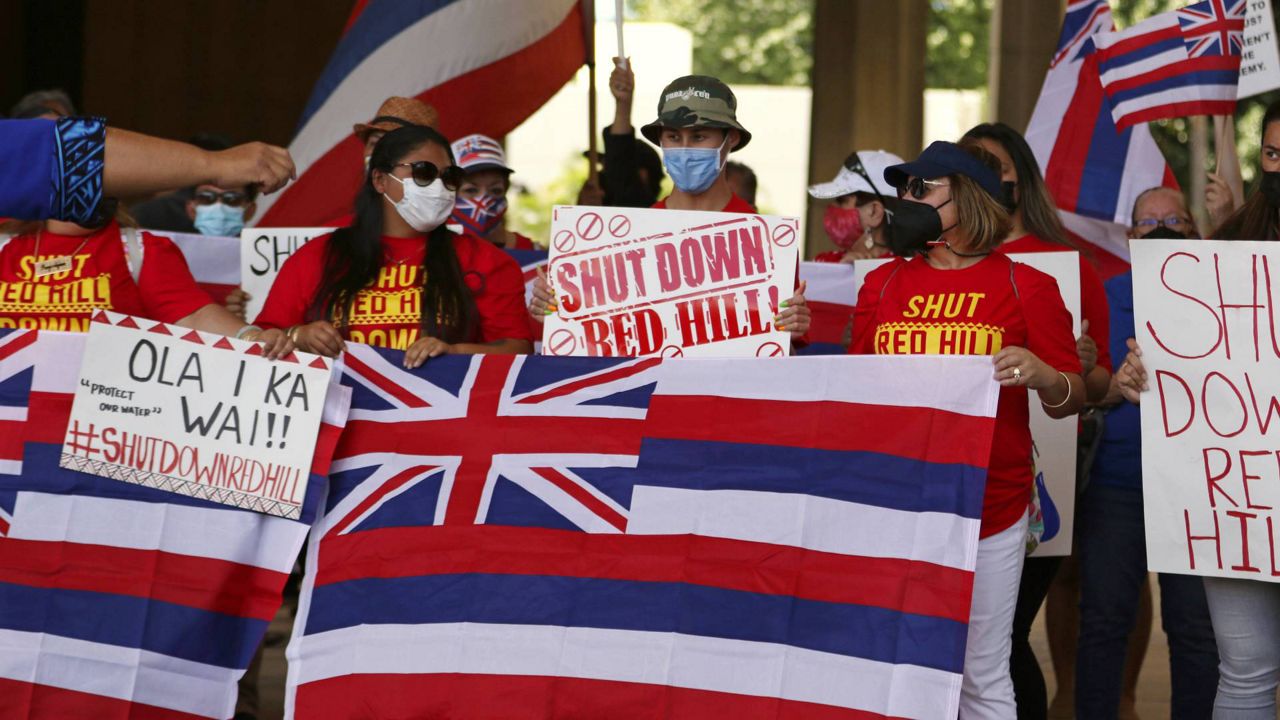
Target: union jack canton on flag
(535,537)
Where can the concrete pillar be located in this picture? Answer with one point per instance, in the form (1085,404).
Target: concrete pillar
(1024,34)
(868,87)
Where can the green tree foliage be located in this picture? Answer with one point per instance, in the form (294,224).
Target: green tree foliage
(957,44)
(747,42)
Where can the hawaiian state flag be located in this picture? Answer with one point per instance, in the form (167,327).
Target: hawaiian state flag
(534,537)
(1185,62)
(1093,170)
(831,295)
(485,66)
(118,600)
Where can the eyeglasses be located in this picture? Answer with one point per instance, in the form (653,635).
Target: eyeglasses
(425,172)
(230,198)
(1170,221)
(919,187)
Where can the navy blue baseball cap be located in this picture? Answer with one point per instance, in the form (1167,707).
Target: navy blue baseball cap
(941,159)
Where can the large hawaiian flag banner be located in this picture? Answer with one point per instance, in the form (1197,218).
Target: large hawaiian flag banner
(535,537)
(119,600)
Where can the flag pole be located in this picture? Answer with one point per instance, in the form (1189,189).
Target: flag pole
(589,42)
(618,19)
(1224,147)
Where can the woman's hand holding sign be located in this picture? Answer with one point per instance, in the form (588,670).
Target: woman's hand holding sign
(275,343)
(543,301)
(794,315)
(1132,376)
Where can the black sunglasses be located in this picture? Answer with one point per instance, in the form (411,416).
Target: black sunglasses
(425,172)
(230,198)
(918,187)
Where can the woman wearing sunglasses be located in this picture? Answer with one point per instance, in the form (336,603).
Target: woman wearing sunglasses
(1036,228)
(950,293)
(396,277)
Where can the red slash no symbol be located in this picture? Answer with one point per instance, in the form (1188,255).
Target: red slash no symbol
(784,235)
(769,349)
(565,241)
(619,225)
(562,342)
(672,351)
(590,226)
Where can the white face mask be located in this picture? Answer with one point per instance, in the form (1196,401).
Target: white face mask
(424,208)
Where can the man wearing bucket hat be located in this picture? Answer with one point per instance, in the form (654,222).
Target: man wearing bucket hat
(697,128)
(855,219)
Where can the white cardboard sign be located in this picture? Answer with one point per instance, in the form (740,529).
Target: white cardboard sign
(262,252)
(1259,59)
(1205,318)
(197,414)
(634,282)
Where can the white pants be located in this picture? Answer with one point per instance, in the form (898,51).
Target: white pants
(987,689)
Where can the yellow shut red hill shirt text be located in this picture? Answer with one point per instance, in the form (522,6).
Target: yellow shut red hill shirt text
(99,278)
(907,307)
(388,312)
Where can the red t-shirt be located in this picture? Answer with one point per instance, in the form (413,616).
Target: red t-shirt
(736,204)
(99,278)
(907,307)
(1093,296)
(388,313)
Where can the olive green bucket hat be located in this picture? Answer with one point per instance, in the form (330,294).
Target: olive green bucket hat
(696,101)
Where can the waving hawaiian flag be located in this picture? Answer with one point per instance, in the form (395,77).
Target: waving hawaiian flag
(119,600)
(1185,62)
(485,65)
(1093,170)
(599,537)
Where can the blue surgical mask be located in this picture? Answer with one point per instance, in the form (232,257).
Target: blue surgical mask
(219,219)
(693,170)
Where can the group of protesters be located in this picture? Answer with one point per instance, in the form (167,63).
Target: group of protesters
(426,236)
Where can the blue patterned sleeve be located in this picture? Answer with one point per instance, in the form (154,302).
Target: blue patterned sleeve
(52,169)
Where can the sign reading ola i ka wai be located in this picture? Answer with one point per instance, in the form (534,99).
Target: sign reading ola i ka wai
(197,414)
(632,282)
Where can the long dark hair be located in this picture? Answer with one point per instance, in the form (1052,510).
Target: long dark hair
(354,256)
(1256,218)
(1039,213)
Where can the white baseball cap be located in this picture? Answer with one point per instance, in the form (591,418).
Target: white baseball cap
(847,181)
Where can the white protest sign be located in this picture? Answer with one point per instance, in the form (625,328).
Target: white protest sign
(197,414)
(1054,440)
(262,252)
(1205,318)
(1259,59)
(634,282)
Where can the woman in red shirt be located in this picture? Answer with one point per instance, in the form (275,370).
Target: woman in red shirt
(396,277)
(54,275)
(1036,227)
(953,295)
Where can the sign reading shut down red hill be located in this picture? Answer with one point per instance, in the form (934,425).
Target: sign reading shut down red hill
(634,282)
(1209,328)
